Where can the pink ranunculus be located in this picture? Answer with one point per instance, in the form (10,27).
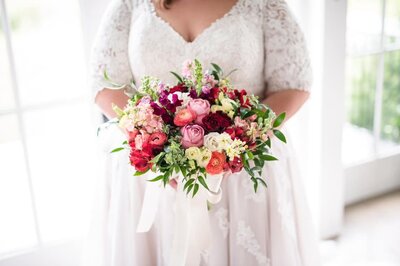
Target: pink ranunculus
(200,107)
(192,136)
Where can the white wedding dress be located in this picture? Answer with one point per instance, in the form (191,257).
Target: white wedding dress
(272,227)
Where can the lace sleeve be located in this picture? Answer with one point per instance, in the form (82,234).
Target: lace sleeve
(287,63)
(110,49)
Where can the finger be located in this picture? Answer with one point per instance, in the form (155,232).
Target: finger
(173,183)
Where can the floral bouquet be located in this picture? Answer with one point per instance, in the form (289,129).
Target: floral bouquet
(200,128)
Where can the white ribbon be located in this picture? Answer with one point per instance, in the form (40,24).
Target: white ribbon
(192,231)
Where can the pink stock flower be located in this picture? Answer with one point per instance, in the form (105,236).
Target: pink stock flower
(200,107)
(192,136)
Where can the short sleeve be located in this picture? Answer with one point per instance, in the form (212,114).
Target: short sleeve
(287,62)
(110,48)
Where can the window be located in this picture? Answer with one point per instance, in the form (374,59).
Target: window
(46,134)
(372,79)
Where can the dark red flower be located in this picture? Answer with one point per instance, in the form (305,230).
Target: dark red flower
(244,100)
(140,159)
(236,165)
(211,96)
(180,87)
(216,122)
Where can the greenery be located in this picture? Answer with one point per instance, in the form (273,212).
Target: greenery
(362,82)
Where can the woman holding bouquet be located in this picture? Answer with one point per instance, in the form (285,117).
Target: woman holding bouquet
(262,40)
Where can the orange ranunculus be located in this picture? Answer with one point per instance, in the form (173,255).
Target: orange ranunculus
(216,164)
(184,117)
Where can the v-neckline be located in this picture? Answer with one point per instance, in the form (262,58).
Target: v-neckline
(202,33)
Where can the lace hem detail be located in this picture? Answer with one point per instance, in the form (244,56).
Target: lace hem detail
(245,237)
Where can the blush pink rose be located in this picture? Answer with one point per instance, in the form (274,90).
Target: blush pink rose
(200,107)
(192,136)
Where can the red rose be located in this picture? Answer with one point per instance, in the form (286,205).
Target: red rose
(216,122)
(236,165)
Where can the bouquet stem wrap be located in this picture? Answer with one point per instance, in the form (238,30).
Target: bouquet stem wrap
(189,240)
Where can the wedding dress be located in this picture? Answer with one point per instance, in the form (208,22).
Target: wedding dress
(271,227)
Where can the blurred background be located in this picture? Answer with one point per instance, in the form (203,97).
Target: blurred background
(347,136)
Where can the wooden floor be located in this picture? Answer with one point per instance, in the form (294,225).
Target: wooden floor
(371,235)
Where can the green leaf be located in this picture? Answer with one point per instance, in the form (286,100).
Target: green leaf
(137,173)
(156,159)
(250,155)
(279,135)
(125,142)
(248,114)
(196,188)
(215,74)
(267,157)
(177,169)
(203,182)
(278,121)
(217,68)
(117,149)
(262,182)
(156,178)
(183,170)
(177,76)
(268,142)
(188,183)
(189,189)
(255,184)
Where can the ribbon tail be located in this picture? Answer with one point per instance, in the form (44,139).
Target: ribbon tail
(149,207)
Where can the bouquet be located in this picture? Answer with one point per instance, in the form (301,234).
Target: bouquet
(198,128)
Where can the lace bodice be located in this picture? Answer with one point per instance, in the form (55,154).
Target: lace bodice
(260,38)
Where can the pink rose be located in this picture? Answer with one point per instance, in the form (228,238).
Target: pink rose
(192,136)
(200,107)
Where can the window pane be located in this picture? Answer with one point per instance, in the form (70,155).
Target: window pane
(6,95)
(60,142)
(17,228)
(364,23)
(392,23)
(48,49)
(360,101)
(390,130)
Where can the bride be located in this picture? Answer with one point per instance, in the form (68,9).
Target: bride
(263,41)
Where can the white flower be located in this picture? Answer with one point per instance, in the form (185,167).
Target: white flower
(211,141)
(224,141)
(204,157)
(193,153)
(235,148)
